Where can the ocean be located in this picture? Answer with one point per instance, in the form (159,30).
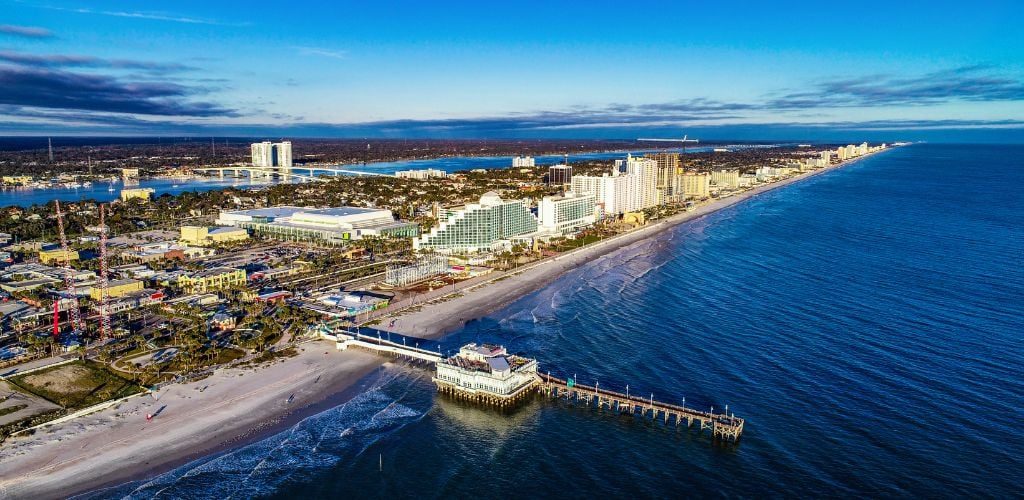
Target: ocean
(867,323)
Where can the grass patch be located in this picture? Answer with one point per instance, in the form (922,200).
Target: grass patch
(76,385)
(228,355)
(270,356)
(11,409)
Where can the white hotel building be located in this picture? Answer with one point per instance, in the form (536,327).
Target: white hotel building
(566,214)
(489,225)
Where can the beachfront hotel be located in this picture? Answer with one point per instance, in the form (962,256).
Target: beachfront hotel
(668,166)
(566,214)
(489,225)
(646,171)
(696,185)
(486,373)
(330,226)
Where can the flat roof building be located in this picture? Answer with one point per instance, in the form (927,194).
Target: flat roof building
(116,289)
(144,194)
(331,226)
(57,256)
(217,278)
(202,236)
(422,174)
(559,175)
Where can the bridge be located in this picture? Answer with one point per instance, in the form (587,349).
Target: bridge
(284,172)
(721,425)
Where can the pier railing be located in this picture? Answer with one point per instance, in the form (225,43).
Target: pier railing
(721,425)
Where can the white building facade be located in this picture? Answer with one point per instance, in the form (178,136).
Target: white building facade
(489,225)
(566,214)
(268,154)
(523,161)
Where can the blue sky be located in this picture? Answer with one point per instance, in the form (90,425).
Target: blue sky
(743,70)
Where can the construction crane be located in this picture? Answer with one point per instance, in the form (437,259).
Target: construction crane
(105,332)
(74,315)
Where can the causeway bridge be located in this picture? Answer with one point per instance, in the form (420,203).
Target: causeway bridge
(721,425)
(285,172)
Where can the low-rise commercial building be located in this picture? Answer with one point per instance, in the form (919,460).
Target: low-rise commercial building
(217,278)
(57,256)
(144,194)
(131,300)
(202,236)
(116,288)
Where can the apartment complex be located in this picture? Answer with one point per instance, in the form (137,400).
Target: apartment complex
(523,161)
(422,174)
(646,172)
(726,179)
(268,154)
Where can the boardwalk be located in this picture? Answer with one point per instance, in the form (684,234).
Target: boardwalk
(721,425)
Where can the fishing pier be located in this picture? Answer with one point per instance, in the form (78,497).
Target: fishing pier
(721,425)
(487,374)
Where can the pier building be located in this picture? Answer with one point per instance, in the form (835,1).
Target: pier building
(487,374)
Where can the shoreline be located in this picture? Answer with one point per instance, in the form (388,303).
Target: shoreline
(453,310)
(191,421)
(59,461)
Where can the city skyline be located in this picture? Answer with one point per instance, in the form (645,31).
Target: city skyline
(806,71)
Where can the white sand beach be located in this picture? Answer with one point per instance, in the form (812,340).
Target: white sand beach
(190,420)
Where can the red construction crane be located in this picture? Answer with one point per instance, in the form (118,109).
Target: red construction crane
(74,315)
(105,332)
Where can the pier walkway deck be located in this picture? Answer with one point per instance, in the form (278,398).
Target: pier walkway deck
(721,425)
